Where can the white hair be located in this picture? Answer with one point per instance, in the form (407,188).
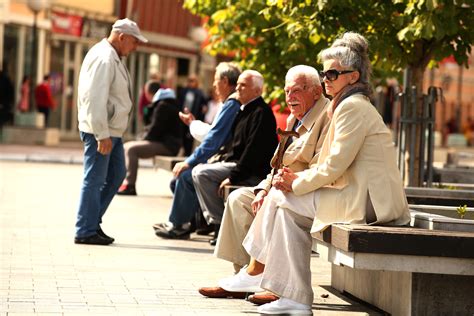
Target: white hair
(228,70)
(257,78)
(351,50)
(309,73)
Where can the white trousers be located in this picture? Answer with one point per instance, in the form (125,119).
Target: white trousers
(280,238)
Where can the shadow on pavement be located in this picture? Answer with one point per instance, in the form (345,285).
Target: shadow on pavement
(349,306)
(171,248)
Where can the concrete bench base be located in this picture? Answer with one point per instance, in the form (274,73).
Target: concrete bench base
(402,270)
(407,293)
(30,135)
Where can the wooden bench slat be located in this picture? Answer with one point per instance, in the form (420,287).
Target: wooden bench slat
(399,240)
(166,162)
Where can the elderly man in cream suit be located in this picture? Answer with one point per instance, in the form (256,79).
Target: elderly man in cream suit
(309,119)
(355,180)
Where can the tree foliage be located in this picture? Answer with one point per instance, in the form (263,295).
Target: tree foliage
(273,35)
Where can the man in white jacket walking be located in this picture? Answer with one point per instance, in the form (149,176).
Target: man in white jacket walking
(104,105)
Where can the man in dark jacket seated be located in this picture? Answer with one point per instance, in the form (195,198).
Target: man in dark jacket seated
(163,137)
(246,160)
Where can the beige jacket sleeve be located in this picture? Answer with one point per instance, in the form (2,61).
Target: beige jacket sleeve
(345,137)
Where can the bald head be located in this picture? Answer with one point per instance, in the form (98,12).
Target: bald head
(249,86)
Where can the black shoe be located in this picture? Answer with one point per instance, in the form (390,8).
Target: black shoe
(101,233)
(92,240)
(213,241)
(127,190)
(174,232)
(205,230)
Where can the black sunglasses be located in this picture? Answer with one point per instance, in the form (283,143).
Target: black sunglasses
(333,74)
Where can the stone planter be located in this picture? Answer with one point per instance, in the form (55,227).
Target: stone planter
(435,196)
(439,222)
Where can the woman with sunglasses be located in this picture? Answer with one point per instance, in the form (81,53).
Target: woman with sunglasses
(355,180)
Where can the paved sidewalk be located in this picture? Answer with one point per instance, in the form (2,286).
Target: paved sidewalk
(43,272)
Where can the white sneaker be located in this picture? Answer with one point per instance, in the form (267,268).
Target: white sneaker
(242,282)
(285,306)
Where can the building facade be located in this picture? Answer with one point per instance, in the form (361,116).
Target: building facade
(66,29)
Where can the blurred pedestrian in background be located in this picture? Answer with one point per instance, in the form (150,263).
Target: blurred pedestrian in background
(212,107)
(192,100)
(163,137)
(151,87)
(7,96)
(145,98)
(44,98)
(24,103)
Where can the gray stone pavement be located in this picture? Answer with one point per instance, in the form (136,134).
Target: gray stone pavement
(43,272)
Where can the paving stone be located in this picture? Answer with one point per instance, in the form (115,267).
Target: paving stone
(42,271)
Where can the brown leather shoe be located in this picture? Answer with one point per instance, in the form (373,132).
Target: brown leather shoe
(262,298)
(218,292)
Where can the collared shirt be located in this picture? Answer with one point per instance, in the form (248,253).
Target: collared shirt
(305,118)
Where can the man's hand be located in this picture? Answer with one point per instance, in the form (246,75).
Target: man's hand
(258,201)
(220,192)
(283,180)
(187,118)
(104,146)
(179,168)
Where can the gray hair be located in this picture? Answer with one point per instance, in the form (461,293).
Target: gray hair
(351,51)
(309,73)
(257,78)
(230,71)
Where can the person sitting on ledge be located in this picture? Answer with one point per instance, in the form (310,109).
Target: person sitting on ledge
(185,204)
(162,137)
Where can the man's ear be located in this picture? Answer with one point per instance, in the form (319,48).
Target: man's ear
(226,80)
(318,90)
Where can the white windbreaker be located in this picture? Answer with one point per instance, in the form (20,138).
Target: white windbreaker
(104,98)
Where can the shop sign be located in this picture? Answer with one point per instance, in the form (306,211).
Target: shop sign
(64,23)
(95,29)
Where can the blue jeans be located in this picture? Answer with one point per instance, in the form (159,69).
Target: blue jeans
(185,201)
(103,175)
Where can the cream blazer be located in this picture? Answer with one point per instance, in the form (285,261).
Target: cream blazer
(357,161)
(303,151)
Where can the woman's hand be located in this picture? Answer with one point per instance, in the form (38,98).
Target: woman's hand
(283,180)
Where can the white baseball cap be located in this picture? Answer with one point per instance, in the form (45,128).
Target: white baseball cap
(129,27)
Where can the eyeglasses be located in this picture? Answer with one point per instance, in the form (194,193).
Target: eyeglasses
(333,74)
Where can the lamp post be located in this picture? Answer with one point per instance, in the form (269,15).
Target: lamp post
(198,34)
(36,6)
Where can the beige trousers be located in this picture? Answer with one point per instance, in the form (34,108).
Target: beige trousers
(280,238)
(235,224)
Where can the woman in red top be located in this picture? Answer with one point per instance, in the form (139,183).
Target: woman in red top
(44,98)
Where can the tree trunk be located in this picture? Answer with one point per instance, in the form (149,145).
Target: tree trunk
(413,170)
